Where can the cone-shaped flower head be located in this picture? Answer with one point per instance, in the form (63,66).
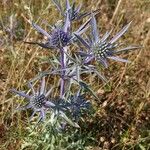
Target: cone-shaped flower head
(102,48)
(72,10)
(37,101)
(59,38)
(78,105)
(61,35)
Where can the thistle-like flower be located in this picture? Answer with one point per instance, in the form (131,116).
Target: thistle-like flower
(73,11)
(102,48)
(61,35)
(38,101)
(59,38)
(78,105)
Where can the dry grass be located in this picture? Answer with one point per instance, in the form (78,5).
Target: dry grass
(122,118)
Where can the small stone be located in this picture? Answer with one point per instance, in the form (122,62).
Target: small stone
(104,104)
(100,92)
(113,140)
(148,20)
(102,139)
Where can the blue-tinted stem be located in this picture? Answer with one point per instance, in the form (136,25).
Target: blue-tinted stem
(63,66)
(88,59)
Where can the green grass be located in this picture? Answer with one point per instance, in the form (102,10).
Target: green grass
(121,119)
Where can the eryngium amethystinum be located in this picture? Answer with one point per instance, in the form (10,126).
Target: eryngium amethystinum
(61,35)
(78,105)
(37,101)
(59,38)
(73,11)
(102,48)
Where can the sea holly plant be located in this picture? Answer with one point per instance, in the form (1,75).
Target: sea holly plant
(101,49)
(77,51)
(37,101)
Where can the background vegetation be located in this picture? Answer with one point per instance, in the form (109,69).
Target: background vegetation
(122,116)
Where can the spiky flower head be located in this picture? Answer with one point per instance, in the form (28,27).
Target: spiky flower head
(102,48)
(72,10)
(61,35)
(59,38)
(78,105)
(37,101)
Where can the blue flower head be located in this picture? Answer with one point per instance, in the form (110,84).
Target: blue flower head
(72,10)
(102,48)
(61,35)
(78,105)
(37,101)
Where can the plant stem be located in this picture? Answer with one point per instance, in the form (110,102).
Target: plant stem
(63,66)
